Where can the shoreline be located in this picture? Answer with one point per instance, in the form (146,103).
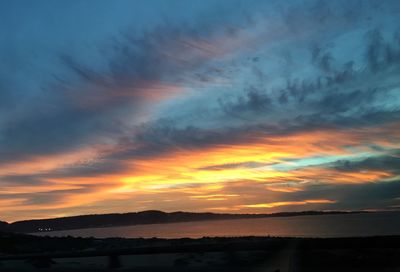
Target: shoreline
(305,226)
(60,224)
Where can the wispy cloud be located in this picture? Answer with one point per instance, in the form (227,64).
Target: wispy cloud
(288,203)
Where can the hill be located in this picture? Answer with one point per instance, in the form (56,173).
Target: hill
(3,225)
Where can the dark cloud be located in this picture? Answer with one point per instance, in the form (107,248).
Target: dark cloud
(390,163)
(377,195)
(44,178)
(21,180)
(52,197)
(253,101)
(49,130)
(340,97)
(233,165)
(90,169)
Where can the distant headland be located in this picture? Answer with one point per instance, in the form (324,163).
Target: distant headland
(137,218)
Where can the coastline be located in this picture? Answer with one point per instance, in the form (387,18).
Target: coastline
(145,218)
(347,225)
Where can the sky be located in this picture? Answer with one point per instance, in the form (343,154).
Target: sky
(221,106)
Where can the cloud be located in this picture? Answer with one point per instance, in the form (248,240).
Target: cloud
(369,196)
(288,203)
(96,101)
(273,99)
(358,196)
(388,163)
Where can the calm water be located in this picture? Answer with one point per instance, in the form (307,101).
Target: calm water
(387,223)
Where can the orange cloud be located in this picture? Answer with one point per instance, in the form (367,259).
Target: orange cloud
(181,167)
(214,197)
(186,176)
(289,203)
(326,175)
(284,188)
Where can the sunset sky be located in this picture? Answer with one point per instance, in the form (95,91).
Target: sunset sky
(207,106)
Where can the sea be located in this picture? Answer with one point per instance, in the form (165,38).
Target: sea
(339,225)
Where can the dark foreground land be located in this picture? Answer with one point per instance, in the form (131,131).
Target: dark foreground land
(19,252)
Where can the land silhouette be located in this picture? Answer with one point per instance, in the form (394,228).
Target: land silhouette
(137,218)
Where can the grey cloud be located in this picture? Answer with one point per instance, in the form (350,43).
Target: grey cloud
(101,167)
(377,195)
(342,96)
(389,163)
(21,180)
(357,196)
(85,102)
(249,164)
